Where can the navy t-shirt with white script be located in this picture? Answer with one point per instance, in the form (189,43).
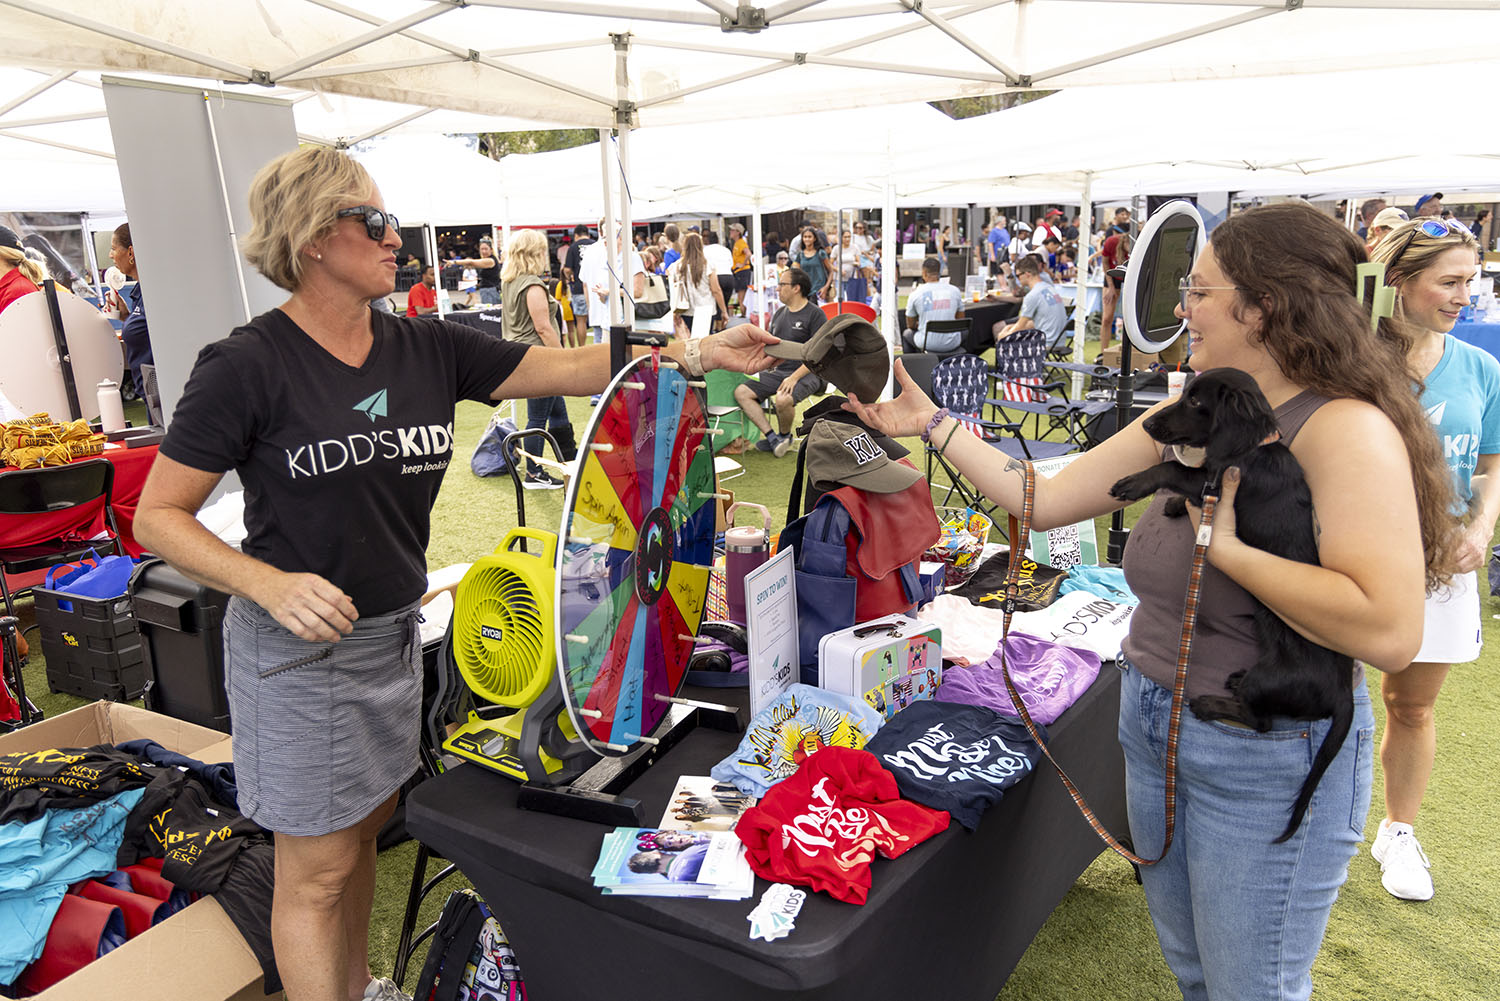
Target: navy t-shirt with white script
(954,757)
(340,465)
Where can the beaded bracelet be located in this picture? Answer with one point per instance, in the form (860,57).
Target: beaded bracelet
(937,419)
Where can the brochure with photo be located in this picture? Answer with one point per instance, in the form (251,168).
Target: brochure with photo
(700,803)
(643,861)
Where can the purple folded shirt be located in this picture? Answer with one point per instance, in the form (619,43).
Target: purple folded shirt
(1049,677)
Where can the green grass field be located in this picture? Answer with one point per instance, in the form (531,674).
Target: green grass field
(1099,942)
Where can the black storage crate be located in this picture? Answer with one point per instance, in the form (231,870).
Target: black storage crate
(92,648)
(181,627)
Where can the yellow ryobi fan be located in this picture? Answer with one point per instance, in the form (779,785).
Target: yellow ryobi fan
(504,647)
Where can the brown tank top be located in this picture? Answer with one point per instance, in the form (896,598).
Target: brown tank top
(1157,561)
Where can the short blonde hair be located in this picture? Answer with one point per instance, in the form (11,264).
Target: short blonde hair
(294,200)
(526,255)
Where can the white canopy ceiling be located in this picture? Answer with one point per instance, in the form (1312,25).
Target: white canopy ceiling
(691,60)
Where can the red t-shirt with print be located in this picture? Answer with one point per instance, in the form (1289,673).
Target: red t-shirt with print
(823,825)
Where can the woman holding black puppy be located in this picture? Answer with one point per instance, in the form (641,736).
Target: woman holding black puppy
(1237,915)
(1429,263)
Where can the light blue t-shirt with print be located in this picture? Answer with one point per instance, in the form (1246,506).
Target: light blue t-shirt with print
(936,301)
(1462,400)
(1043,306)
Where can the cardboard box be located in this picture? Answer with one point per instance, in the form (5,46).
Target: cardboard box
(195,955)
(1138,359)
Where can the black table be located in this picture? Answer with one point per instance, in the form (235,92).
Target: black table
(982,317)
(487,320)
(948,920)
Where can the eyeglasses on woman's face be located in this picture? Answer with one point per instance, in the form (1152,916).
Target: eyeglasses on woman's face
(376,220)
(1190,295)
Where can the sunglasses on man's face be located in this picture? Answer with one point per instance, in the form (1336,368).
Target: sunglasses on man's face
(376,220)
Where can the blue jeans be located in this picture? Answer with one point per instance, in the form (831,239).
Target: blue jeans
(489,296)
(1237,916)
(549,412)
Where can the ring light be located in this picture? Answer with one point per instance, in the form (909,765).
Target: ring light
(1163,255)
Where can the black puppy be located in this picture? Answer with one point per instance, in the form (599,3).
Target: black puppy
(1223,413)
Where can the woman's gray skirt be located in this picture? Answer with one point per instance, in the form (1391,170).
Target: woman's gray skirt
(323,732)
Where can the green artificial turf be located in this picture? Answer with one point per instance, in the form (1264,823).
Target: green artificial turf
(1099,943)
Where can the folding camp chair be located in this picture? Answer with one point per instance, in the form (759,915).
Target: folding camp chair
(1021,384)
(959,384)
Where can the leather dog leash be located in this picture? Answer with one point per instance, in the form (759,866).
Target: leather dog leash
(1020,530)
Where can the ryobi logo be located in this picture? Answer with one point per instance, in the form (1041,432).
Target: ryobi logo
(492,633)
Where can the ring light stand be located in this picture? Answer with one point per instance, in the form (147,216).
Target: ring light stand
(1163,255)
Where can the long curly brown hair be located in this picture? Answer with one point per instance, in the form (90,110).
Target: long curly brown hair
(1297,265)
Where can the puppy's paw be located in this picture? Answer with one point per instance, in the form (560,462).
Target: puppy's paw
(1214,707)
(1175,507)
(1132,487)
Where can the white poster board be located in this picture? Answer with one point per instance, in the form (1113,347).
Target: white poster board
(771,629)
(1067,545)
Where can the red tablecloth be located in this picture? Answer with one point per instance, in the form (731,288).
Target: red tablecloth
(131,466)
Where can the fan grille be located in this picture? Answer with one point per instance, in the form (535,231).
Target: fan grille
(502,636)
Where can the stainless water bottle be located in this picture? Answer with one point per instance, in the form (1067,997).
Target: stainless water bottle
(744,549)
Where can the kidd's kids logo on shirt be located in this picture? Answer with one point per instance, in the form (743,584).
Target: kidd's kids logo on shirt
(389,444)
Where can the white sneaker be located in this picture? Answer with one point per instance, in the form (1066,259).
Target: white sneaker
(1403,864)
(385,989)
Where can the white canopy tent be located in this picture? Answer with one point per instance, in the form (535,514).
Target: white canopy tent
(663,62)
(705,60)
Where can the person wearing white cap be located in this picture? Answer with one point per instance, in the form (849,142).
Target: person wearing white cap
(1385,220)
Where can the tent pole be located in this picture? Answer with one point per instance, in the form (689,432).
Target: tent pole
(429,238)
(890,269)
(838,258)
(1081,267)
(758,263)
(607,233)
(234,240)
(96,280)
(623,112)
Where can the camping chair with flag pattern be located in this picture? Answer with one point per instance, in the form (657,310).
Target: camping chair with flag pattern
(1021,385)
(959,384)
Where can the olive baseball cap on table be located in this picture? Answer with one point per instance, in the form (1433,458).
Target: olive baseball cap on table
(846,351)
(846,455)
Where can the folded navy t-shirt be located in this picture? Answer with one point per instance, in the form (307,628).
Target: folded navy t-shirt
(954,757)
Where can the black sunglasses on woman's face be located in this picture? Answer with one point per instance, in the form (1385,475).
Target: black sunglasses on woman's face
(376,220)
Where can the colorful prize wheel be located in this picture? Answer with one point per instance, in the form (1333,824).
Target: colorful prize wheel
(635,552)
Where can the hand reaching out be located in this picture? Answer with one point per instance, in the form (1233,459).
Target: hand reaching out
(904,416)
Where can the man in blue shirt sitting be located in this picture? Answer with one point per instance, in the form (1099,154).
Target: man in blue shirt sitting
(1042,307)
(935,299)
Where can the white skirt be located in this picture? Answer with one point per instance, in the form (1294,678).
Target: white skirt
(1450,627)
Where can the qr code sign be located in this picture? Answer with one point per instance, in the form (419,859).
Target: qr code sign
(1064,548)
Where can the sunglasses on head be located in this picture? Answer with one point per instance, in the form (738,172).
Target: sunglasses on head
(1435,229)
(375,219)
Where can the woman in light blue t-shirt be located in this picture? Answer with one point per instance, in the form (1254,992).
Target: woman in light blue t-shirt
(1430,263)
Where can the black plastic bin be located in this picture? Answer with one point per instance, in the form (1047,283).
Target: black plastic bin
(181,629)
(91,645)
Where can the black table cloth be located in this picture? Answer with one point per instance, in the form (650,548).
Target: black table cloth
(948,920)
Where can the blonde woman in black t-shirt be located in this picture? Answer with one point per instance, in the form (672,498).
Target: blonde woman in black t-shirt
(338,421)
